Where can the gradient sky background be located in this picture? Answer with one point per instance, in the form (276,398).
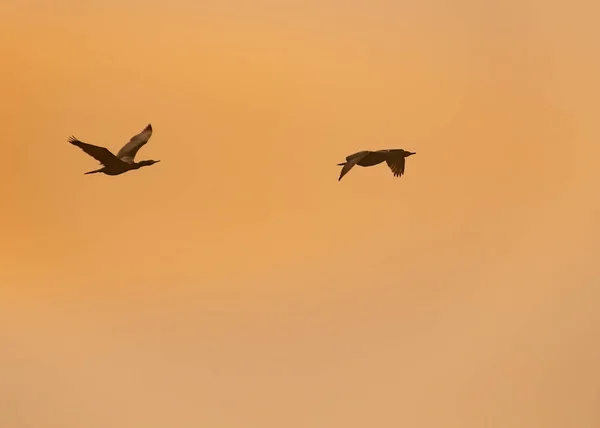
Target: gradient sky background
(238,283)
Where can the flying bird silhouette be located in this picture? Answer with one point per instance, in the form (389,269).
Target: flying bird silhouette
(395,159)
(124,160)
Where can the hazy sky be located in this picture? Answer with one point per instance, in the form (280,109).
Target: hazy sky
(237,283)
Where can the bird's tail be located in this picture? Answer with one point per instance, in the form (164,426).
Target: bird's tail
(93,172)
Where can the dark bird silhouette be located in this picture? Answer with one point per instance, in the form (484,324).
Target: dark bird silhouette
(395,159)
(124,160)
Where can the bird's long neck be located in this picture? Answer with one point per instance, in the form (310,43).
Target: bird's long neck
(142,163)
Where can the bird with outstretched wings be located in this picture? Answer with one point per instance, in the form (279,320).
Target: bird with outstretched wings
(124,160)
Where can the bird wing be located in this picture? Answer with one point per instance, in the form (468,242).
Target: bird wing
(101,154)
(396,164)
(129,150)
(351,161)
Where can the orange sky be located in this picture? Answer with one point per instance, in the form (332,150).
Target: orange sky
(237,283)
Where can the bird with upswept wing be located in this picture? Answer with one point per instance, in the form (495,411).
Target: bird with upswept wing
(124,160)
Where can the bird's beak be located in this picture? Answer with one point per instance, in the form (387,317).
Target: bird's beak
(412,153)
